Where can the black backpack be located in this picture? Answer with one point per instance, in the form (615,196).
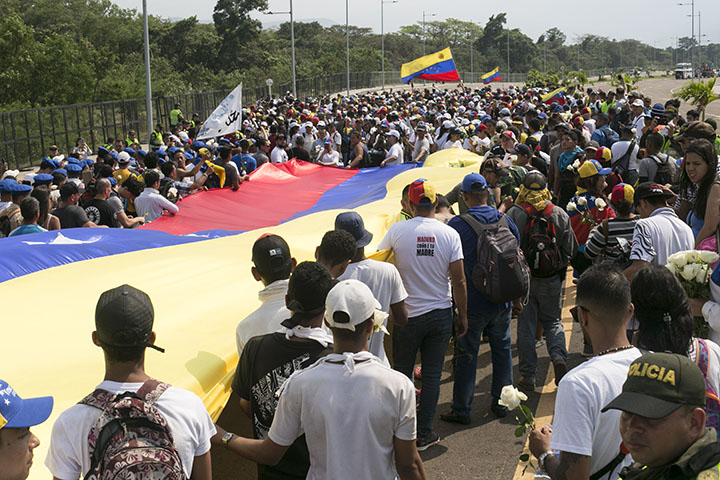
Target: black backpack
(664,175)
(500,273)
(622,166)
(539,244)
(164,190)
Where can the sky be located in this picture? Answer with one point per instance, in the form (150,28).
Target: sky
(655,22)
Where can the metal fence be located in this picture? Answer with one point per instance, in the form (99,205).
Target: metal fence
(26,134)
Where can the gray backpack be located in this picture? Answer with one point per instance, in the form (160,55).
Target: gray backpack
(501,273)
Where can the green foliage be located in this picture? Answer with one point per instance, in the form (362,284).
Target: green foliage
(699,94)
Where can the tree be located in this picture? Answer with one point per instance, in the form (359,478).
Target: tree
(236,28)
(699,94)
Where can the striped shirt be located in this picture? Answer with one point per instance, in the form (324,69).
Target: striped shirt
(617,228)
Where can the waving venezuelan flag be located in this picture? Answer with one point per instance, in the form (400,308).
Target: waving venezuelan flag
(438,67)
(557,95)
(492,76)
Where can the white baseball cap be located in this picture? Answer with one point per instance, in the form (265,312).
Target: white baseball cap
(394,133)
(350,303)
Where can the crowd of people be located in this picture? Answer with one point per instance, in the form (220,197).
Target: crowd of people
(608,183)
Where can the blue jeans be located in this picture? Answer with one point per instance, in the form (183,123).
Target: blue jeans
(429,333)
(498,325)
(545,306)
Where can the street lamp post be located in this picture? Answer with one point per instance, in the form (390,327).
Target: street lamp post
(148,86)
(292,43)
(692,30)
(382,36)
(423,28)
(508,52)
(347,47)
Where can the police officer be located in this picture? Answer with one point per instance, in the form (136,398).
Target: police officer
(663,421)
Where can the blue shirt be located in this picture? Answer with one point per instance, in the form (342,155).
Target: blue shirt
(26,229)
(695,222)
(244,161)
(477,304)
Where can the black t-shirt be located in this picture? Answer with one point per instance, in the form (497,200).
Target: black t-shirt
(300,153)
(266,362)
(230,175)
(99,212)
(71,216)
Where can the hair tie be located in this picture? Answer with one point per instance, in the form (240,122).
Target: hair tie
(667,318)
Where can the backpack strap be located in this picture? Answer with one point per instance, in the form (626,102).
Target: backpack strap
(480,227)
(529,209)
(548,209)
(99,399)
(611,466)
(151,390)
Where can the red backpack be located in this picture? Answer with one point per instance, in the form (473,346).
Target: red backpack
(131,439)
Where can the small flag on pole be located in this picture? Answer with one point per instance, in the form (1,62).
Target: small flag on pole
(492,76)
(227,117)
(438,67)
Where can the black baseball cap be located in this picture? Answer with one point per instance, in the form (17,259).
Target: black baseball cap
(271,254)
(124,318)
(658,384)
(648,190)
(535,180)
(521,149)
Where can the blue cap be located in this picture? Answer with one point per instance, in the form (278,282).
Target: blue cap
(88,161)
(161,160)
(197,145)
(353,223)
(60,170)
(557,109)
(56,163)
(112,180)
(72,167)
(16,412)
(18,188)
(189,155)
(42,179)
(224,141)
(542,115)
(473,182)
(103,150)
(73,161)
(129,151)
(173,150)
(161,154)
(327,141)
(47,163)
(142,153)
(6,185)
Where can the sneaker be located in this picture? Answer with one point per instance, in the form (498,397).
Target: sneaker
(499,410)
(453,417)
(526,385)
(423,443)
(560,369)
(539,343)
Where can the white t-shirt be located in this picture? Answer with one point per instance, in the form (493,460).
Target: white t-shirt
(578,425)
(278,155)
(660,235)
(267,318)
(619,149)
(385,283)
(424,249)
(330,158)
(353,434)
(397,151)
(188,421)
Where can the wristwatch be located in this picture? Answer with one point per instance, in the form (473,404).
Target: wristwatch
(229,436)
(541,458)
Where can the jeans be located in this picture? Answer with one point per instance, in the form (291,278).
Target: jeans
(429,333)
(498,325)
(544,305)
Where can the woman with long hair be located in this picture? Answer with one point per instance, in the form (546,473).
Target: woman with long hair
(700,170)
(47,220)
(665,323)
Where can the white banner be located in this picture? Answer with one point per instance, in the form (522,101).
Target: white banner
(227,117)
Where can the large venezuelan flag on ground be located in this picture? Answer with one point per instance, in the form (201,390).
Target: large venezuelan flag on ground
(437,67)
(492,76)
(557,95)
(196,268)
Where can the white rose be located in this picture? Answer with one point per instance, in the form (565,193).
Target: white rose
(571,207)
(576,164)
(702,276)
(692,256)
(511,397)
(600,203)
(673,269)
(582,201)
(708,257)
(678,259)
(689,271)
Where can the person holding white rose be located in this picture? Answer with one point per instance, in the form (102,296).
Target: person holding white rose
(659,233)
(665,324)
(700,174)
(588,440)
